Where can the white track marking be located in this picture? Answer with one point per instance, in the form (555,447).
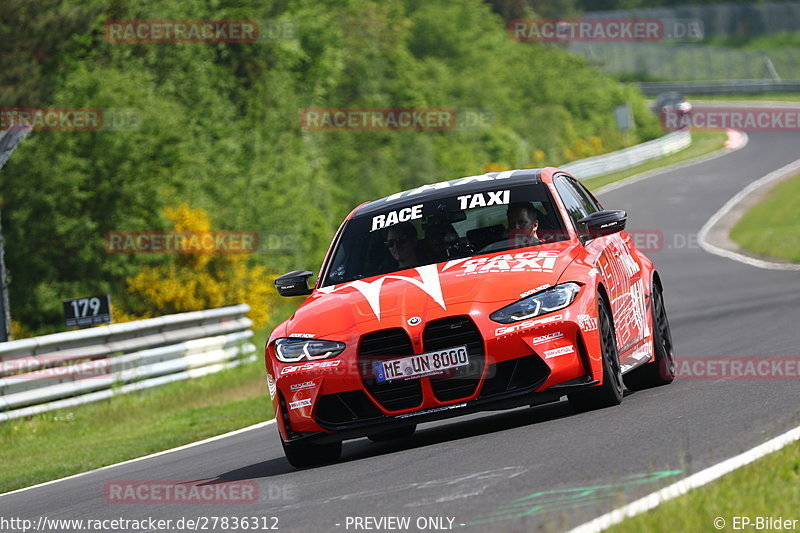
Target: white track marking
(766,181)
(683,486)
(143,458)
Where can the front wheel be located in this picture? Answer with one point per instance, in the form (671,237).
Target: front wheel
(609,393)
(661,370)
(303,454)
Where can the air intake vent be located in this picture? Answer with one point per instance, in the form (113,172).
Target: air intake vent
(380,346)
(447,333)
(344,408)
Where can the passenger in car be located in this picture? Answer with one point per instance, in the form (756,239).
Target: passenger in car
(402,242)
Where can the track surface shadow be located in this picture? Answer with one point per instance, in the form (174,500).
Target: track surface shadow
(455,430)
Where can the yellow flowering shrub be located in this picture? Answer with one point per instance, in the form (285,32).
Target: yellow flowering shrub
(197,281)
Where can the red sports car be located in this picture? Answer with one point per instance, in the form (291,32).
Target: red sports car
(486,292)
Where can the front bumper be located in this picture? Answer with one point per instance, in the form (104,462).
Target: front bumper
(526,363)
(507,400)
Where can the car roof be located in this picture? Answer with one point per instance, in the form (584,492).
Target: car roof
(446,189)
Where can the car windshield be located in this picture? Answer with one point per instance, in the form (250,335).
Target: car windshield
(422,231)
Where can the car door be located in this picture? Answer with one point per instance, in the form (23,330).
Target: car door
(616,264)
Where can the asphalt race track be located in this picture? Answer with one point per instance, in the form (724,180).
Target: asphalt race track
(541,468)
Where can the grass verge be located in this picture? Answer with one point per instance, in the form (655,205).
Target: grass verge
(770,228)
(768,487)
(703,142)
(68,441)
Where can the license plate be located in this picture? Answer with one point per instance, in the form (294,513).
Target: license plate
(424,364)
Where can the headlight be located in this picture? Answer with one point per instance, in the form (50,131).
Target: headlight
(547,301)
(296,350)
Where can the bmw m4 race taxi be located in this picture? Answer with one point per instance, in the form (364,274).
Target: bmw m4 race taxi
(480,293)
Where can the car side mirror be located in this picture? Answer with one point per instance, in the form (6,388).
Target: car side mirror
(293,283)
(604,222)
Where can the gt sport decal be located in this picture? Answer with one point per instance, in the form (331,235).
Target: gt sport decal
(470,201)
(428,282)
(527,324)
(530,261)
(548,354)
(395,217)
(310,366)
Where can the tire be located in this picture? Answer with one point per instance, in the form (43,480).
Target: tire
(661,370)
(393,434)
(609,393)
(303,454)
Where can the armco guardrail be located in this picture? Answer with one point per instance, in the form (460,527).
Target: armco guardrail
(65,369)
(766,86)
(628,157)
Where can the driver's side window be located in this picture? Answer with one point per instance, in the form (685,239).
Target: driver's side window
(576,208)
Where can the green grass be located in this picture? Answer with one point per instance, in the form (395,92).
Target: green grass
(703,142)
(771,228)
(68,441)
(768,487)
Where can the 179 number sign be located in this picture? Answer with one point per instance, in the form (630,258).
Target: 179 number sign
(87,311)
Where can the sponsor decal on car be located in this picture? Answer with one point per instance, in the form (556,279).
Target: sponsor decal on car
(428,282)
(310,366)
(527,324)
(534,291)
(564,350)
(586,322)
(306,402)
(434,410)
(470,201)
(271,386)
(302,335)
(530,261)
(302,386)
(406,214)
(547,338)
(643,353)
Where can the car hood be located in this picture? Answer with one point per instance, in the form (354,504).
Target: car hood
(464,284)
